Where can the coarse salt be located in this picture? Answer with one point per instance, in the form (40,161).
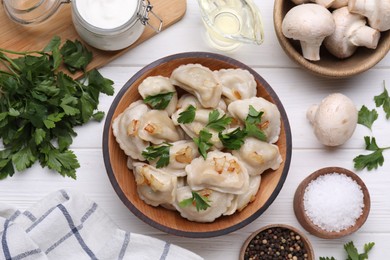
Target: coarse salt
(333,201)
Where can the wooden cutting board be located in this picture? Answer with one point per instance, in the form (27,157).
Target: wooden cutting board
(23,38)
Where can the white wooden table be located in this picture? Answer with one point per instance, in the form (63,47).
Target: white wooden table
(297,90)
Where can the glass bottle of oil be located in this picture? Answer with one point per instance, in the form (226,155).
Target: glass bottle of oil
(231,22)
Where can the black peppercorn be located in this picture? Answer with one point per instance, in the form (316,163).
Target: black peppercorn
(276,243)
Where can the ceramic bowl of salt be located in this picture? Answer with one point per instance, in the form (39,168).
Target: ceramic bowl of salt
(332,202)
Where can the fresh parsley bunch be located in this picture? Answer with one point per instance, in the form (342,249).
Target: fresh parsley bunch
(40,105)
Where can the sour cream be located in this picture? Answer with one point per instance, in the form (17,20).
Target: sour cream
(106,14)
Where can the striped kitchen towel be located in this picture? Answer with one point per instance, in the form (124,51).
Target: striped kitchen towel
(66,225)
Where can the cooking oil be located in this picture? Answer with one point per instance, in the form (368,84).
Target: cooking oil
(231,22)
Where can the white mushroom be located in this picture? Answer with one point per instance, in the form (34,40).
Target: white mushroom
(298,2)
(351,32)
(334,120)
(324,3)
(339,3)
(376,11)
(310,24)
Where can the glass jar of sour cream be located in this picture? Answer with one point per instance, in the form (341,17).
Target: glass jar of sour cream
(111,24)
(104,24)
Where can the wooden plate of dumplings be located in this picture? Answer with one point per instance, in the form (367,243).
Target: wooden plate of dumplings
(170,221)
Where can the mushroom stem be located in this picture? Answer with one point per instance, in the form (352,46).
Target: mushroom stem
(325,3)
(311,50)
(366,36)
(311,113)
(339,3)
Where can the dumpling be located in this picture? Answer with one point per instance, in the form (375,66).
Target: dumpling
(270,121)
(241,201)
(156,85)
(154,186)
(219,203)
(181,153)
(125,130)
(237,84)
(199,81)
(157,127)
(220,171)
(258,156)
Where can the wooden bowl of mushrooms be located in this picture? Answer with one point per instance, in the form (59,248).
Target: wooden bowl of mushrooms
(333,38)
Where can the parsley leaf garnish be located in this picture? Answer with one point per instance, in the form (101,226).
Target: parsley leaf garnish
(161,152)
(218,123)
(40,106)
(187,116)
(253,124)
(383,100)
(367,117)
(199,201)
(352,252)
(372,160)
(75,55)
(159,101)
(203,142)
(233,140)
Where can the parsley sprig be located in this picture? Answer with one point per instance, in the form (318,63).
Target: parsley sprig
(203,142)
(199,201)
(383,100)
(161,152)
(353,253)
(234,139)
(367,117)
(187,116)
(218,123)
(159,101)
(40,105)
(253,124)
(372,160)
(215,122)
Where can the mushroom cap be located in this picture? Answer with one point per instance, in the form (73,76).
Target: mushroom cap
(351,31)
(335,120)
(339,43)
(308,21)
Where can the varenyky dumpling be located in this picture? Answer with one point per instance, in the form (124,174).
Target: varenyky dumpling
(157,127)
(125,130)
(241,201)
(199,81)
(270,122)
(219,171)
(181,153)
(154,186)
(156,85)
(258,156)
(237,84)
(219,203)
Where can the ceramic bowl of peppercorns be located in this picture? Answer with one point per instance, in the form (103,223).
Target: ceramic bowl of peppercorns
(277,241)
